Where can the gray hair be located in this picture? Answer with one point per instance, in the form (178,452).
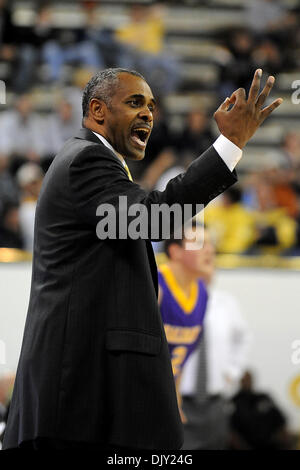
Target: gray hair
(102,86)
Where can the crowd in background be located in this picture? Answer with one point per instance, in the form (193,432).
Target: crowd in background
(261,215)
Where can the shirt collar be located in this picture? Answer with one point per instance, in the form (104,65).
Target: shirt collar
(110,147)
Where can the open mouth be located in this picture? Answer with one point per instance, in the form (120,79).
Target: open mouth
(140,136)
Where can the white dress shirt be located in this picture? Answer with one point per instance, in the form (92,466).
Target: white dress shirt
(227,340)
(107,144)
(228,151)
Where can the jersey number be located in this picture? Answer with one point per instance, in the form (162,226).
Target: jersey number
(178,356)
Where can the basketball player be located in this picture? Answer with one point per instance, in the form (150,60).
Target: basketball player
(183,299)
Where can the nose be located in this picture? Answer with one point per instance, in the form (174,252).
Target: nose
(208,248)
(211,249)
(145,114)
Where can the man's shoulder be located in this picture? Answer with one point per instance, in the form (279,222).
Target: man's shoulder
(75,146)
(82,144)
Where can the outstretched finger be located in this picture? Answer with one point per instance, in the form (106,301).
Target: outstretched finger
(269,109)
(265,92)
(255,86)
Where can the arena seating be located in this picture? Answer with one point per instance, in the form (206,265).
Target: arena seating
(191,35)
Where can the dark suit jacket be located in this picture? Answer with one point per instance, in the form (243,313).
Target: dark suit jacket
(94,364)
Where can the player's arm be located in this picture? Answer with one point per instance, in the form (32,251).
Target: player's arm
(160,295)
(179,399)
(178,378)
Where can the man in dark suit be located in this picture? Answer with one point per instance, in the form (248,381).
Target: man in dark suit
(94,369)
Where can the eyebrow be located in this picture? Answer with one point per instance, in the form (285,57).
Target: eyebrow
(143,97)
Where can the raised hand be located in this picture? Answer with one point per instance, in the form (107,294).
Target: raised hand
(241,122)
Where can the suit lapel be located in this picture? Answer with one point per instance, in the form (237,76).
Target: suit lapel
(153,265)
(87,134)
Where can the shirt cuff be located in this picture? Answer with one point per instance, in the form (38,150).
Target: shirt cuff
(228,151)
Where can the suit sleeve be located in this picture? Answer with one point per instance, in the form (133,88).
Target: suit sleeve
(98,179)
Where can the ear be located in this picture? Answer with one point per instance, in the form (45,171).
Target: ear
(97,110)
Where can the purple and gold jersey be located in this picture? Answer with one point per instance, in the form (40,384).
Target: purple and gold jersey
(182,316)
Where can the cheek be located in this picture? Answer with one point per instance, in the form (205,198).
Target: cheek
(191,260)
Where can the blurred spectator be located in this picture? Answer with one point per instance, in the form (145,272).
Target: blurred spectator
(144,31)
(10,235)
(161,136)
(263,16)
(257,422)
(272,198)
(161,141)
(7,30)
(291,174)
(267,56)
(276,230)
(213,372)
(112,53)
(61,125)
(29,178)
(6,385)
(30,41)
(55,47)
(232,225)
(227,345)
(271,20)
(73,92)
(8,51)
(236,63)
(22,133)
(183,297)
(159,173)
(170,165)
(144,34)
(284,194)
(179,151)
(197,135)
(19,47)
(244,52)
(291,149)
(70,46)
(8,188)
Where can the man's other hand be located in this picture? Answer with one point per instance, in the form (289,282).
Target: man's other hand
(240,123)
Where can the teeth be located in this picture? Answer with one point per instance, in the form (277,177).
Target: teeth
(142,130)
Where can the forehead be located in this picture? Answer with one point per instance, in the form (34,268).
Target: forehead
(132,85)
(202,234)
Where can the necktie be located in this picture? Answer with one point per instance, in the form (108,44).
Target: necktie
(201,381)
(127,171)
